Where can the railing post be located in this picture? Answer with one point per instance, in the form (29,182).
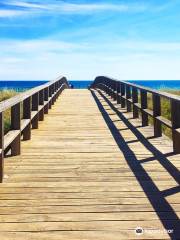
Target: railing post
(56,91)
(16,125)
(35,107)
(144,106)
(175,118)
(27,115)
(108,88)
(53,91)
(118,92)
(123,103)
(115,91)
(50,95)
(41,103)
(1,146)
(128,96)
(157,112)
(135,100)
(112,89)
(46,98)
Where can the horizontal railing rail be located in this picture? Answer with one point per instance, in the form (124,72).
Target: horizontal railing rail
(135,98)
(26,110)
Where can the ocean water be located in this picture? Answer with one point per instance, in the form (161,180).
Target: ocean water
(154,84)
(159,84)
(20,85)
(80,84)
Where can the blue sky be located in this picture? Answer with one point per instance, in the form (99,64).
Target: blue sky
(81,39)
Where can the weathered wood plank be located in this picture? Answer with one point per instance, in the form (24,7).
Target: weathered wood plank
(73,181)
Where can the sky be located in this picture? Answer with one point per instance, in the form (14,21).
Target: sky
(127,40)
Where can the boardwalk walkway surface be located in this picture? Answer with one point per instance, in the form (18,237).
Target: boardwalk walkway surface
(88,173)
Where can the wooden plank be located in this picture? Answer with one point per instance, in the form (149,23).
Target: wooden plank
(86,209)
(24,123)
(73,181)
(33,114)
(79,217)
(164,121)
(83,235)
(10,137)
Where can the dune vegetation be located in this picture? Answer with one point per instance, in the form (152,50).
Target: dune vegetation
(4,95)
(165,107)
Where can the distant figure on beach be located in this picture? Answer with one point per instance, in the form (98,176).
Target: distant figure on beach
(72,86)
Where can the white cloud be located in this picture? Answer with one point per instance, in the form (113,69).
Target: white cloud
(88,66)
(11,13)
(26,4)
(145,46)
(38,47)
(44,59)
(62,7)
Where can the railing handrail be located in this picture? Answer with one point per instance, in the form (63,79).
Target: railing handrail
(6,104)
(149,90)
(33,104)
(135,98)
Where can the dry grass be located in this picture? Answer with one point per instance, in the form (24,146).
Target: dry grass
(165,109)
(165,105)
(6,94)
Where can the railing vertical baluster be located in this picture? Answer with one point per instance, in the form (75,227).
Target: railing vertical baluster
(118,92)
(27,115)
(109,88)
(112,89)
(115,91)
(175,118)
(157,112)
(128,96)
(46,98)
(41,103)
(135,100)
(59,90)
(50,95)
(58,85)
(56,91)
(35,107)
(31,114)
(1,146)
(53,91)
(144,106)
(123,104)
(16,125)
(124,91)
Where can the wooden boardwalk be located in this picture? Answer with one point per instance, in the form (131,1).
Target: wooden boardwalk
(88,173)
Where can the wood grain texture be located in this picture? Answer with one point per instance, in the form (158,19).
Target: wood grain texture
(74,180)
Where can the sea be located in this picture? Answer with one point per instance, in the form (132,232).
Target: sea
(83,84)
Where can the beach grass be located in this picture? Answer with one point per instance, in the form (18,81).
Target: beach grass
(4,95)
(165,108)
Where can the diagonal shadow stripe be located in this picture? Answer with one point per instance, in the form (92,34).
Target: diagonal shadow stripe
(162,204)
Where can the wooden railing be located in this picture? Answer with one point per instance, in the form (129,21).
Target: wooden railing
(135,99)
(27,109)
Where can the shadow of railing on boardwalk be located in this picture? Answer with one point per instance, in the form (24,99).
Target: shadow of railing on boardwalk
(163,209)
